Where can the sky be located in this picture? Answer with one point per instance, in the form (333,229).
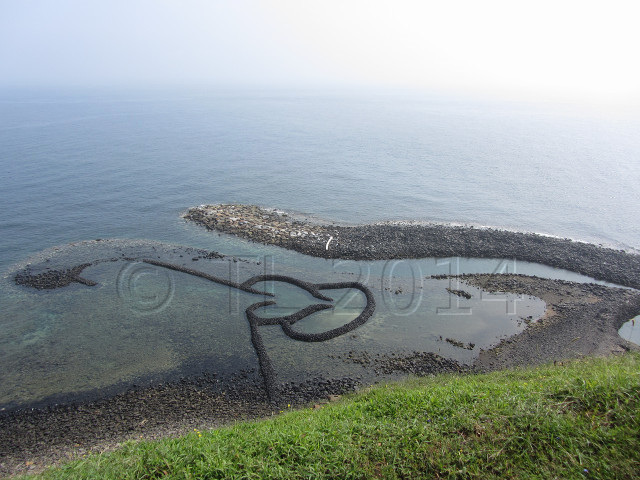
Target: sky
(560,48)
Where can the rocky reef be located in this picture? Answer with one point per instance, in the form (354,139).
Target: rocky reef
(383,241)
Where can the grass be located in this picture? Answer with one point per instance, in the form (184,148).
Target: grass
(578,420)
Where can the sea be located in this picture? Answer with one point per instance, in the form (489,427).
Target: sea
(80,165)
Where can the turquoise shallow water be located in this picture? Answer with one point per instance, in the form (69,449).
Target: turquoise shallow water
(142,323)
(84,165)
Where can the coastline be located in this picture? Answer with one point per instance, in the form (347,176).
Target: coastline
(581,319)
(399,240)
(572,308)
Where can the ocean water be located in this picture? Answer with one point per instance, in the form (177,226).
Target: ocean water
(84,165)
(78,165)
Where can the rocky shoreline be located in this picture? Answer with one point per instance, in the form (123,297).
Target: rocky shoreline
(581,319)
(33,438)
(400,240)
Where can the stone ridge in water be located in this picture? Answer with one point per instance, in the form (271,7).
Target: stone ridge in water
(581,319)
(51,279)
(392,241)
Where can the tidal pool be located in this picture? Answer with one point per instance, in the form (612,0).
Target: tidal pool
(630,330)
(143,323)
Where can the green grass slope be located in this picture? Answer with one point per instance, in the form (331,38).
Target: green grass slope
(577,420)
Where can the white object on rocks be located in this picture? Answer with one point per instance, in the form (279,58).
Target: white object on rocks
(328,242)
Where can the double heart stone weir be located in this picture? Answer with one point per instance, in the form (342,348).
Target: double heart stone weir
(285,322)
(55,279)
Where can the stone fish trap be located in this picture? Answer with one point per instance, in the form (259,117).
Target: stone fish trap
(58,279)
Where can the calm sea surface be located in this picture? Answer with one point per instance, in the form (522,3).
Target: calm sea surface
(78,166)
(82,165)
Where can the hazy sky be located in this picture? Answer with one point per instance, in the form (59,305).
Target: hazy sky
(557,48)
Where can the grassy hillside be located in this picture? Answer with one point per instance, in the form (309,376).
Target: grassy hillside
(577,420)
